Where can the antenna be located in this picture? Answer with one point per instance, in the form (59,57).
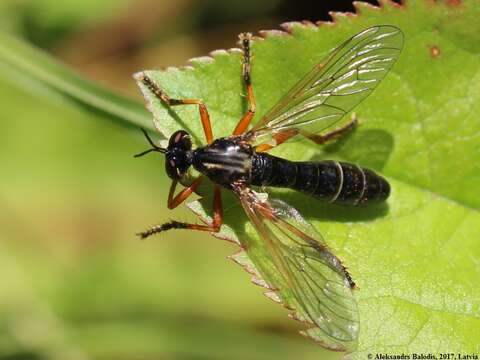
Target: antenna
(154,147)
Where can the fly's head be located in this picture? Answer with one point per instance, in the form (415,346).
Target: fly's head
(178,154)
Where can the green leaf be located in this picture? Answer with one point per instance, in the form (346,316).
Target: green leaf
(38,72)
(416,261)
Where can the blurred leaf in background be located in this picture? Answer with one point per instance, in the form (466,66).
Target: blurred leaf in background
(47,22)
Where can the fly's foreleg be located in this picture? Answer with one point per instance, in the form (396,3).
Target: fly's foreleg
(244,122)
(213,227)
(175,200)
(332,135)
(160,94)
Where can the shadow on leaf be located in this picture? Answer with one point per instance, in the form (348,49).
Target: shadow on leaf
(370,148)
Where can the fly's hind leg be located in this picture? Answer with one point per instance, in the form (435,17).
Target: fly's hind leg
(160,94)
(245,39)
(213,227)
(281,137)
(334,134)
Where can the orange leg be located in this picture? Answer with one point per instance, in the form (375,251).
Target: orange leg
(174,201)
(213,227)
(247,118)
(204,116)
(332,135)
(283,136)
(279,138)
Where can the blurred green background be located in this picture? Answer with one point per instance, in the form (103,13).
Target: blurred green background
(75,282)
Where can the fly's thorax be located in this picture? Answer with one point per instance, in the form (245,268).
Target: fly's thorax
(224,161)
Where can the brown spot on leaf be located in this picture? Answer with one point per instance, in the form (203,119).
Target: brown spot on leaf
(434,51)
(454,2)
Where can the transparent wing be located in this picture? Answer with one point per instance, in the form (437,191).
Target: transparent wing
(336,85)
(308,278)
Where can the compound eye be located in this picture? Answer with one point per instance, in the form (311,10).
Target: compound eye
(172,169)
(177,164)
(180,139)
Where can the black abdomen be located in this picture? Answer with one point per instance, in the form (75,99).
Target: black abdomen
(332,181)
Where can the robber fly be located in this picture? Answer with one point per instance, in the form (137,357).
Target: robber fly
(320,285)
